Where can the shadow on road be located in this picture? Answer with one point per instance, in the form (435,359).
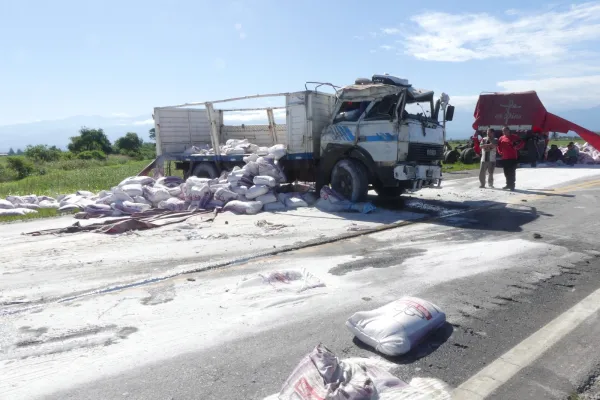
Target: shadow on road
(429,344)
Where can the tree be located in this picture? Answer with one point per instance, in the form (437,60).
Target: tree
(11,152)
(130,143)
(554,136)
(19,152)
(42,152)
(21,166)
(152,134)
(90,139)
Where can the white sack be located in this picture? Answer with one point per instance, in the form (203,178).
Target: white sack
(98,210)
(255,191)
(132,189)
(70,207)
(243,207)
(277,151)
(239,190)
(84,193)
(225,195)
(140,180)
(156,195)
(30,198)
(15,212)
(49,204)
(251,157)
(172,204)
(175,191)
(30,206)
(276,206)
(6,205)
(251,168)
(295,202)
(141,200)
(397,327)
(265,180)
(267,198)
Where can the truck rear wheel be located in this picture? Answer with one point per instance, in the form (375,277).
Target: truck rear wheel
(350,179)
(468,156)
(205,170)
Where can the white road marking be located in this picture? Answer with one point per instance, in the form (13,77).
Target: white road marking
(508,365)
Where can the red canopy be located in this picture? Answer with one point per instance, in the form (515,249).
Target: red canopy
(524,111)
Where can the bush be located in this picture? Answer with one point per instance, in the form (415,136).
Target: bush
(91,155)
(22,167)
(42,152)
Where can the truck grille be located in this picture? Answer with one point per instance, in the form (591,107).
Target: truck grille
(425,152)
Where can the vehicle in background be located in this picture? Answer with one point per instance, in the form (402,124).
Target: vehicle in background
(378,133)
(526,116)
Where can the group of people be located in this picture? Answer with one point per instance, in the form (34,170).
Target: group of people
(569,158)
(508,146)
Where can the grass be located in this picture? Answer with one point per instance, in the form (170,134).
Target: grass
(459,166)
(68,176)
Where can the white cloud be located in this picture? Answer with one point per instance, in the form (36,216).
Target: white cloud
(260,117)
(243,35)
(238,27)
(122,115)
(359,37)
(144,122)
(386,47)
(540,36)
(464,102)
(390,31)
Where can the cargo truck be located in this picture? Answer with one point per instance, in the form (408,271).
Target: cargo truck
(379,133)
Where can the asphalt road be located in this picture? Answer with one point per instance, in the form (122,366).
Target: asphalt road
(488,312)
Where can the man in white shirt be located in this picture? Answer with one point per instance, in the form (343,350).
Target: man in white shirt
(488,158)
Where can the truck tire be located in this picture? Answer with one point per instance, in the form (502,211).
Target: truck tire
(468,156)
(205,170)
(451,156)
(350,178)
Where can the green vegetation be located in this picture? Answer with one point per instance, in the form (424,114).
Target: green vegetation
(459,166)
(92,163)
(68,176)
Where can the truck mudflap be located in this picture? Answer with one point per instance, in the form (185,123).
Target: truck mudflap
(420,175)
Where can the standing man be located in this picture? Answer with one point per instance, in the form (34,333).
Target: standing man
(488,158)
(508,147)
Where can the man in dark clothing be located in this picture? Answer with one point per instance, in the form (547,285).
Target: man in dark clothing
(554,154)
(508,147)
(532,148)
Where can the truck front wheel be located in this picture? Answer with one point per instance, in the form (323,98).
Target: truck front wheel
(350,179)
(205,170)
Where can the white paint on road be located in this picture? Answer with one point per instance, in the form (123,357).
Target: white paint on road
(486,381)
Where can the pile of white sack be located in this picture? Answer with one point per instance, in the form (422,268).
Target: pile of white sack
(240,147)
(587,154)
(246,190)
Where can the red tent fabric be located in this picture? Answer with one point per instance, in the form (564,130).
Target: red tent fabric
(525,111)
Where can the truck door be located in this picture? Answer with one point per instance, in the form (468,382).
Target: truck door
(345,124)
(378,130)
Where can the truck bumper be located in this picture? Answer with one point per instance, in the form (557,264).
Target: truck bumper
(420,175)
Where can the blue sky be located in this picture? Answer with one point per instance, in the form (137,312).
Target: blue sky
(64,58)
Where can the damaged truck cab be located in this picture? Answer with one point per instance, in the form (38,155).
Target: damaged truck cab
(386,134)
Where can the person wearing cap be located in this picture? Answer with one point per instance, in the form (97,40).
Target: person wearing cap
(488,158)
(509,145)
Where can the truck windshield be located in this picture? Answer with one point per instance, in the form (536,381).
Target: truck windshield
(416,109)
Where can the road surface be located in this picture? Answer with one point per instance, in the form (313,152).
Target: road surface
(146,316)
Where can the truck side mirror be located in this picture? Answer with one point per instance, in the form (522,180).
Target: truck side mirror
(449,113)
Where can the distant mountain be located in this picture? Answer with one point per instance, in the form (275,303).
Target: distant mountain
(58,132)
(461,126)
